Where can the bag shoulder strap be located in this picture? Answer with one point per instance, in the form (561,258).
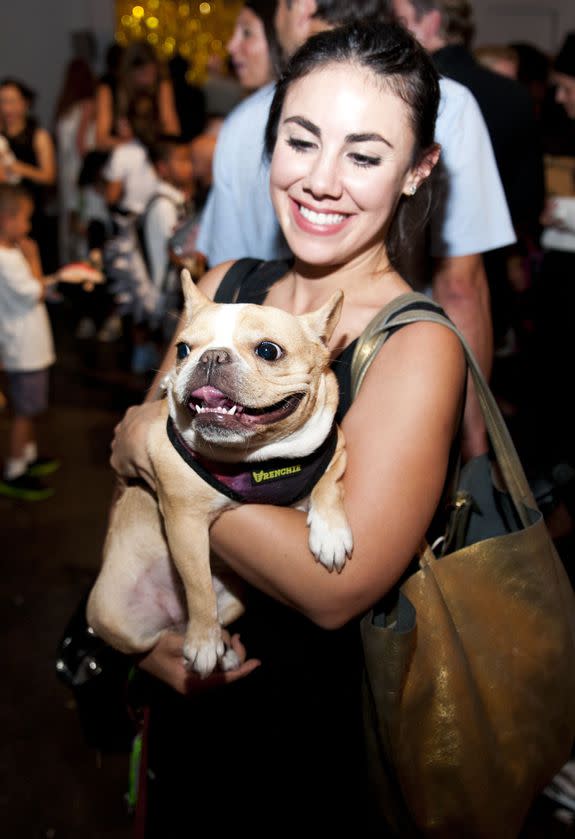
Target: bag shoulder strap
(412,308)
(379,328)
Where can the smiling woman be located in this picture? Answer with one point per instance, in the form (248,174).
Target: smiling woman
(351,139)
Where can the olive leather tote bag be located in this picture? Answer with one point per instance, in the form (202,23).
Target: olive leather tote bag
(469,678)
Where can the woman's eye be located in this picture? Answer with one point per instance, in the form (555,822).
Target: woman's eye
(365,160)
(299,145)
(182,351)
(269,351)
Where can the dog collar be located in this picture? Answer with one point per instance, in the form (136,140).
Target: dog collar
(280,481)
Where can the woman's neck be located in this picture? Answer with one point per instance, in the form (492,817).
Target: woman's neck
(360,280)
(15,127)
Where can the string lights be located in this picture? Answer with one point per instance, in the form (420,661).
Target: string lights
(196,30)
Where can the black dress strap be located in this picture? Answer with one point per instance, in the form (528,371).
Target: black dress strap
(249,280)
(229,287)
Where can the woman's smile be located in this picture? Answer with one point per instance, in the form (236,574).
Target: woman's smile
(319,222)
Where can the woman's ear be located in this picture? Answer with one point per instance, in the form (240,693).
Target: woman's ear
(422,169)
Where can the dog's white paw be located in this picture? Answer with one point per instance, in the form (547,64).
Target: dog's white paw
(330,545)
(202,654)
(230,660)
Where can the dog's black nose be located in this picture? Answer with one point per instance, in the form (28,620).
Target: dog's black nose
(219,355)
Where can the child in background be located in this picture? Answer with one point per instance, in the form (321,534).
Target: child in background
(94,229)
(26,345)
(130,182)
(129,174)
(168,206)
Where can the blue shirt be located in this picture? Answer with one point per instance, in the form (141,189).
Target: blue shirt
(239,218)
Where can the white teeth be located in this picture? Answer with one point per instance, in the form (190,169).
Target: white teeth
(200,409)
(321,218)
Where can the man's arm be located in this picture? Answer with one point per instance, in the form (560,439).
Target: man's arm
(460,287)
(473,218)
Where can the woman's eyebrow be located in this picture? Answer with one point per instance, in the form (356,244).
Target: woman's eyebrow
(305,123)
(366,138)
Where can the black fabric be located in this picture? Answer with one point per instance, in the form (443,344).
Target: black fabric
(551,360)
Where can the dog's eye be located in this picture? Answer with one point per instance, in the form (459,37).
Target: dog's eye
(269,351)
(182,350)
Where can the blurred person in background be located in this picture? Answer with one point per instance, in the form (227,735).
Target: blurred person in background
(139,71)
(34,164)
(252,50)
(252,47)
(446,28)
(498,58)
(75,136)
(555,300)
(190,99)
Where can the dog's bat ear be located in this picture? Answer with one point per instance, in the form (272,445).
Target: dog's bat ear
(324,320)
(194,299)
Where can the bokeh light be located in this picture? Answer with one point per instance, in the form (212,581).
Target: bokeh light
(198,31)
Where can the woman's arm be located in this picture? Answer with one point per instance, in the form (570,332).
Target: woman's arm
(398,433)
(45,171)
(167,107)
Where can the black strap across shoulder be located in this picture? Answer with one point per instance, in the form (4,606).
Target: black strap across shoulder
(249,280)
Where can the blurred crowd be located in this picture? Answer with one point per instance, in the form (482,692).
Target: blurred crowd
(122,179)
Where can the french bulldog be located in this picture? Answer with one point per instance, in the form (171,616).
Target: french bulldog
(248,416)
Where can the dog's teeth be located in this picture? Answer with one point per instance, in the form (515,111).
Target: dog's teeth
(233,409)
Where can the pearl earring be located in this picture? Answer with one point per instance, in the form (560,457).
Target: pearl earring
(412,189)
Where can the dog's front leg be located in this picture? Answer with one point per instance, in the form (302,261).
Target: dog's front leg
(330,536)
(188,538)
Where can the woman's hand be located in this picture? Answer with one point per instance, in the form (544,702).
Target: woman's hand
(129,456)
(166,662)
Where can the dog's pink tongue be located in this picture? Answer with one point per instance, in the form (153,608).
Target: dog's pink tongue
(211,396)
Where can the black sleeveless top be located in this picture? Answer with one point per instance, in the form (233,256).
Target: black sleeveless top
(22,147)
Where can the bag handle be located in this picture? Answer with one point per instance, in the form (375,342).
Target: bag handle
(373,338)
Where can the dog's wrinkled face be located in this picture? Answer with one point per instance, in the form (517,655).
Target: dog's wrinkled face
(248,377)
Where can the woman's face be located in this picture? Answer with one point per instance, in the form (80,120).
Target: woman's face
(145,76)
(565,92)
(13,106)
(249,51)
(341,162)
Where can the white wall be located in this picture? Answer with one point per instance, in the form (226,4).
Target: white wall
(35,41)
(543,23)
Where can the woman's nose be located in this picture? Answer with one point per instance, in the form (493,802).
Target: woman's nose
(323,180)
(233,42)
